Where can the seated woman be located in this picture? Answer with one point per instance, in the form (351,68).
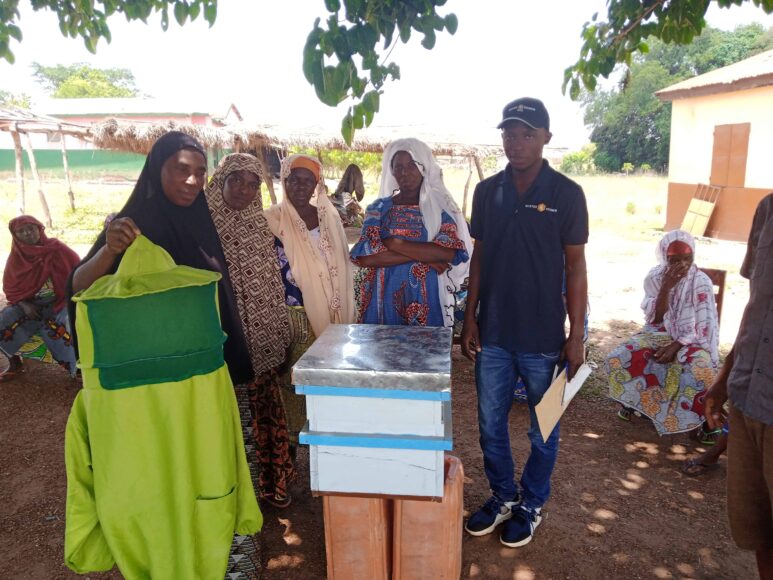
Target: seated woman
(663,371)
(314,257)
(415,243)
(35,285)
(350,190)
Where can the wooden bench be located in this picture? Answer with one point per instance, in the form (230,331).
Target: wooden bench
(717,278)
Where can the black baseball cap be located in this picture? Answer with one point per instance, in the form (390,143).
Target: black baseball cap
(527,110)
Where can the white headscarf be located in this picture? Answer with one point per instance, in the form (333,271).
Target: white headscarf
(434,199)
(691,317)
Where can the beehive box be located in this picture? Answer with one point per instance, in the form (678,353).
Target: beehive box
(379,409)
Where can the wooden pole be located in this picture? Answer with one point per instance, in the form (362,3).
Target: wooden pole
(467,188)
(20,198)
(263,158)
(478,167)
(36,175)
(67,176)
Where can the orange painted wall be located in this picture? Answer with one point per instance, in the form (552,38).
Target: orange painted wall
(732,217)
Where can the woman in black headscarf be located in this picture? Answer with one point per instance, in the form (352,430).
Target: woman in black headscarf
(168,206)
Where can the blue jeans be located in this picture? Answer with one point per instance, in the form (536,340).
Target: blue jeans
(495,372)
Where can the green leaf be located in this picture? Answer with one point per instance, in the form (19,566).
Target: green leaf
(405,32)
(210,12)
(357,119)
(312,60)
(8,56)
(14,32)
(371,100)
(180,12)
(574,89)
(352,9)
(369,114)
(91,43)
(194,10)
(332,5)
(452,23)
(164,19)
(428,41)
(347,128)
(369,36)
(332,88)
(358,85)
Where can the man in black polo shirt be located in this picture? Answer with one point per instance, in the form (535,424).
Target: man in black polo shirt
(530,225)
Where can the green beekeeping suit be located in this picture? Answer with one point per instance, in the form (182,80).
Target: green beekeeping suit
(157,478)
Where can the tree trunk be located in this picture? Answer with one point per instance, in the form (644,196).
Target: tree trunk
(478,167)
(67,176)
(20,199)
(467,188)
(36,175)
(263,158)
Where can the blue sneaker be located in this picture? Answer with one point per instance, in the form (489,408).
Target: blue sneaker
(519,529)
(494,512)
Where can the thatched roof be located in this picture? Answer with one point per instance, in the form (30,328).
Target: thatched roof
(24,121)
(138,137)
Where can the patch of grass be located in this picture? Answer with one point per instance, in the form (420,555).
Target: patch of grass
(595,386)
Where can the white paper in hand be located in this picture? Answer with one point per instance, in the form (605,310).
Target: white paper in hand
(556,399)
(573,386)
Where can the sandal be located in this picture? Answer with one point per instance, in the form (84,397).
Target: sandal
(694,468)
(14,369)
(625,413)
(9,375)
(278,500)
(709,438)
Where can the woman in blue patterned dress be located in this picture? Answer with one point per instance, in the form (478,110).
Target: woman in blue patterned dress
(415,245)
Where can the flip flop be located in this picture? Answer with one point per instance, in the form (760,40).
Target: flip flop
(9,375)
(694,468)
(280,502)
(709,438)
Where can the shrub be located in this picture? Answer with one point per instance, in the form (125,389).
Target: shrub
(580,162)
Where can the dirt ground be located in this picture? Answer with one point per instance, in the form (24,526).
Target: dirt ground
(620,507)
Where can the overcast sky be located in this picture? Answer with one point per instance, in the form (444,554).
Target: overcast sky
(252,57)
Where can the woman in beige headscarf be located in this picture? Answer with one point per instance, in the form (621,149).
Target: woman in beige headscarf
(314,257)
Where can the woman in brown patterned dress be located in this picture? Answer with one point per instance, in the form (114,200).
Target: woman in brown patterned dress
(234,200)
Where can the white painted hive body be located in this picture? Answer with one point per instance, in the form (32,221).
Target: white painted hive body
(379,409)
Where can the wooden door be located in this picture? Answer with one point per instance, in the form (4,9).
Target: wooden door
(728,160)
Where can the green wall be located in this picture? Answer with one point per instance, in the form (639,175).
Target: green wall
(88,162)
(80,160)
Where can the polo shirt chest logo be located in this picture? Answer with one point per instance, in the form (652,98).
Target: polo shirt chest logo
(541,207)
